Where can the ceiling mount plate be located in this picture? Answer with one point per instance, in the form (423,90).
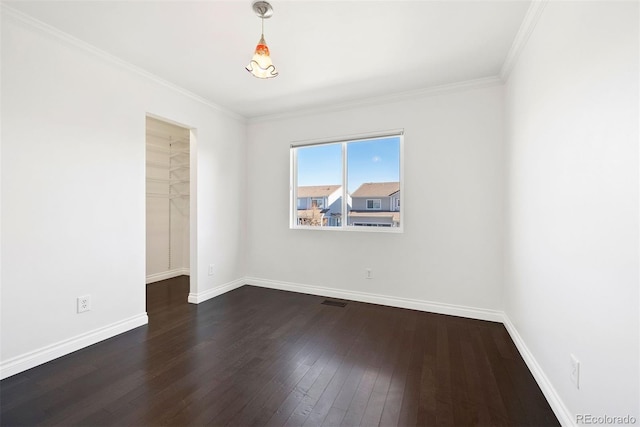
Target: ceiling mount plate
(262,8)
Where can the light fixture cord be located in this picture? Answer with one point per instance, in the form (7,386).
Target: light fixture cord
(262,19)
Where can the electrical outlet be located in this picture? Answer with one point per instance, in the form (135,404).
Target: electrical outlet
(211,266)
(368,273)
(575,371)
(84,303)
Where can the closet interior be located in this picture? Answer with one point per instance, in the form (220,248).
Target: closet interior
(167,205)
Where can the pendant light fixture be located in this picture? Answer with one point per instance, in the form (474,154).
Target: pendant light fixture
(260,65)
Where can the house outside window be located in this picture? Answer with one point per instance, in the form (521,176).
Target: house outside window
(395,201)
(374,204)
(319,206)
(347,183)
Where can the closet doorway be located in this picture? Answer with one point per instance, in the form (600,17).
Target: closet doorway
(167,211)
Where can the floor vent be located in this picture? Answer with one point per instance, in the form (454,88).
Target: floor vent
(334,303)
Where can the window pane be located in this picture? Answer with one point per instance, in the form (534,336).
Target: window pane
(371,196)
(373,181)
(319,190)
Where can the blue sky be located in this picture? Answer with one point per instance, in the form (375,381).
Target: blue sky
(376,160)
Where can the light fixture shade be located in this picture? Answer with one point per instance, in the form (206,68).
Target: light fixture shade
(260,65)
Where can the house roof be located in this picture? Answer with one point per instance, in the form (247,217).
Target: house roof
(376,189)
(317,190)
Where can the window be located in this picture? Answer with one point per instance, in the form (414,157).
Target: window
(374,204)
(317,202)
(347,183)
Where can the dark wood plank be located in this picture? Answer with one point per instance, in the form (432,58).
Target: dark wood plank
(257,356)
(428,384)
(384,329)
(395,394)
(375,405)
(411,394)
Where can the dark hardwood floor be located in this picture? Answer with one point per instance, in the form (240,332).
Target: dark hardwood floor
(257,356)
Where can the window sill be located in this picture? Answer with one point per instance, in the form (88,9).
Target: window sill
(358,229)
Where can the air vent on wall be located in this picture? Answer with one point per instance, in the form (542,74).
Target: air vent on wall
(334,303)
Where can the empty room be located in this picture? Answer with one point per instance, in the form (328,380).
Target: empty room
(336,213)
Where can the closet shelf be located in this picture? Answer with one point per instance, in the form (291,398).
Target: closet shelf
(171,139)
(168,181)
(173,152)
(159,165)
(171,168)
(167,196)
(157,148)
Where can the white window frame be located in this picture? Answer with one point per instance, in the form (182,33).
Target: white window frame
(343,141)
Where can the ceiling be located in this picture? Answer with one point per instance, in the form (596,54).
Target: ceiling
(327,52)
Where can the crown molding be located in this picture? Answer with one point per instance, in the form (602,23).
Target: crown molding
(526,28)
(74,41)
(520,41)
(385,99)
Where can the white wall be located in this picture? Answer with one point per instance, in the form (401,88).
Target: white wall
(572,246)
(73,192)
(451,250)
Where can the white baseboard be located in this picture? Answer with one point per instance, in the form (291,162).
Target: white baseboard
(198,297)
(46,354)
(563,414)
(421,305)
(156,277)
